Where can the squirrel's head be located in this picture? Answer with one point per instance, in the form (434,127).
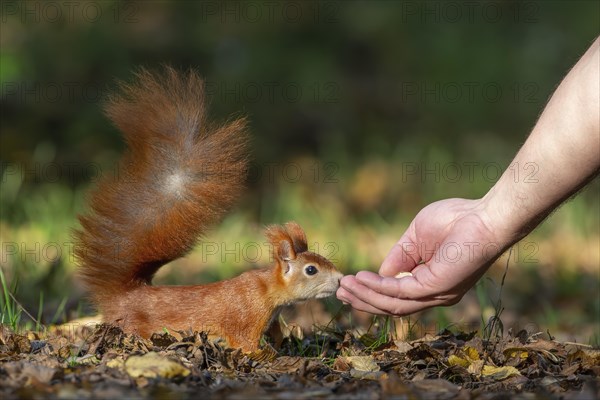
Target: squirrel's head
(302,273)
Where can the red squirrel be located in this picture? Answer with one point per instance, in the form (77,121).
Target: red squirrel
(180,173)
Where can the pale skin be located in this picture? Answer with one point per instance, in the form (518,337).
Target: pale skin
(451,243)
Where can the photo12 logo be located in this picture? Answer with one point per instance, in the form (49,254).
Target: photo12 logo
(471,12)
(427,92)
(456,253)
(36,252)
(291,12)
(255,252)
(471,171)
(292,172)
(51,172)
(54,12)
(52,92)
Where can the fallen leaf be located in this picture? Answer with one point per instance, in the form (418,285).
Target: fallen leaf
(369,375)
(363,363)
(499,373)
(402,346)
(570,370)
(267,353)
(516,355)
(152,365)
(287,364)
(471,353)
(455,360)
(115,363)
(292,331)
(476,367)
(472,361)
(341,365)
(467,356)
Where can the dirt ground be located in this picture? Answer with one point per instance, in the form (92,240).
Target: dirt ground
(103,362)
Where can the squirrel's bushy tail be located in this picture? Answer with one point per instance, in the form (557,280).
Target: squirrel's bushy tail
(179,175)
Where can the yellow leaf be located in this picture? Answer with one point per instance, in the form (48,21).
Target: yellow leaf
(151,365)
(471,353)
(115,363)
(516,352)
(499,373)
(455,360)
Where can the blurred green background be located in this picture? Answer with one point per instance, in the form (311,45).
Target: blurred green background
(361,114)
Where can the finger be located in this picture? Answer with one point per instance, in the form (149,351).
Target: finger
(370,300)
(348,298)
(393,306)
(358,291)
(407,288)
(403,256)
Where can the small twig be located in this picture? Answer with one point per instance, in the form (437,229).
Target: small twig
(534,336)
(498,308)
(334,316)
(587,346)
(25,311)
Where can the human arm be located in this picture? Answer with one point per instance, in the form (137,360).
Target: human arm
(451,243)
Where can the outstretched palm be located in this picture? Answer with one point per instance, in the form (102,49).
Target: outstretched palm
(447,248)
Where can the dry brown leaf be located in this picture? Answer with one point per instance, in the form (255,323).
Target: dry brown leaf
(292,331)
(267,353)
(288,364)
(368,375)
(363,363)
(340,364)
(570,370)
(475,367)
(402,346)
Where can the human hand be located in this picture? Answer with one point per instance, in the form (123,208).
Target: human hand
(447,248)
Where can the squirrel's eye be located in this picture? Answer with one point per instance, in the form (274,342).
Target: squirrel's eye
(311,270)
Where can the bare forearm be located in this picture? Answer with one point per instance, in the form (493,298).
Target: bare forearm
(560,156)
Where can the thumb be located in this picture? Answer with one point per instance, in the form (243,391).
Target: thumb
(403,256)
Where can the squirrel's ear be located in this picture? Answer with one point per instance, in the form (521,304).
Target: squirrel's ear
(283,246)
(298,236)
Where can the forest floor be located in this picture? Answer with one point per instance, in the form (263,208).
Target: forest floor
(103,362)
